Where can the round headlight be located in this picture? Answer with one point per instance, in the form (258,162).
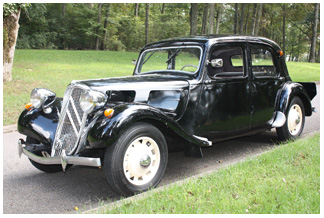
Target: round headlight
(91,99)
(42,97)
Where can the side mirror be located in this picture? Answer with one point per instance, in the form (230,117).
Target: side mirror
(216,62)
(134,62)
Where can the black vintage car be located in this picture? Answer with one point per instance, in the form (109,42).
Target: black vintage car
(188,92)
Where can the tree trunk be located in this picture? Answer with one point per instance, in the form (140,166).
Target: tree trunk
(62,35)
(162,9)
(219,13)
(284,29)
(259,14)
(318,57)
(204,20)
(10,34)
(136,9)
(147,22)
(193,18)
(63,9)
(253,19)
(247,19)
(211,18)
(104,41)
(298,47)
(235,18)
(314,36)
(242,18)
(99,22)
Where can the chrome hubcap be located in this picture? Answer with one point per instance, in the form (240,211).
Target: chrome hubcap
(295,117)
(145,160)
(141,161)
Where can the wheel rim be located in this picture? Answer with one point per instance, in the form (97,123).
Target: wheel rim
(141,161)
(295,119)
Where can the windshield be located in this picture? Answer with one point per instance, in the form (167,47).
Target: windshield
(170,59)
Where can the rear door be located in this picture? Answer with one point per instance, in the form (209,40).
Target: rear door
(265,83)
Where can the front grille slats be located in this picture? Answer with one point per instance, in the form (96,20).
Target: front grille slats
(71,123)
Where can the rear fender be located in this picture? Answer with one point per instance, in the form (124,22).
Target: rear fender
(291,90)
(106,131)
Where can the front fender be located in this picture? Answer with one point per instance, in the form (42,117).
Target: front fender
(39,125)
(288,92)
(106,131)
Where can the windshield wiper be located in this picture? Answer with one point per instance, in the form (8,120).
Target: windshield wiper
(149,56)
(174,54)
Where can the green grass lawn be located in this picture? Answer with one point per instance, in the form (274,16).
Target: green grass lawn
(55,69)
(285,180)
(304,72)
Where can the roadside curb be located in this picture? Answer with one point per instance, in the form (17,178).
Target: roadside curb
(10,128)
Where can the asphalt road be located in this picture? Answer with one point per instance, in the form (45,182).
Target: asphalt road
(27,190)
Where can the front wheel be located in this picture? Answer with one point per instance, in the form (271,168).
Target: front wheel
(137,161)
(295,121)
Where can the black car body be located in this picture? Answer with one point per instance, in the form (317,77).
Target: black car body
(188,91)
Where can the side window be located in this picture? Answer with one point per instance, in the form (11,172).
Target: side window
(237,60)
(226,62)
(262,61)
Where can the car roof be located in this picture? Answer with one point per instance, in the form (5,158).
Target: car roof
(212,39)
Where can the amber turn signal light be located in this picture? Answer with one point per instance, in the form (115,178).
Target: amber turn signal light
(109,112)
(280,53)
(28,106)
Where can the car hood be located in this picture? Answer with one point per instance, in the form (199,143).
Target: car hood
(169,93)
(141,83)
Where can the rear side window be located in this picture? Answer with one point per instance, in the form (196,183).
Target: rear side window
(262,61)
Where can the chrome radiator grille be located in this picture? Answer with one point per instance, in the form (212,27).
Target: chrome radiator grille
(71,123)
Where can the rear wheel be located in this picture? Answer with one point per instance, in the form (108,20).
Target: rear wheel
(42,167)
(295,121)
(137,161)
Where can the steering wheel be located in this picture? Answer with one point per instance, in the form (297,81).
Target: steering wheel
(189,65)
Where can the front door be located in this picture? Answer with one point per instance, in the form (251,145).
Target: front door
(224,108)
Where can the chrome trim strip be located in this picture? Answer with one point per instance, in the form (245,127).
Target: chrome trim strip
(75,111)
(84,119)
(72,123)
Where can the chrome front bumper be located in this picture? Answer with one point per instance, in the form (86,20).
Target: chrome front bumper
(64,160)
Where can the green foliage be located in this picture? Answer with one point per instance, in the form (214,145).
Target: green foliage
(76,26)
(35,31)
(9,8)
